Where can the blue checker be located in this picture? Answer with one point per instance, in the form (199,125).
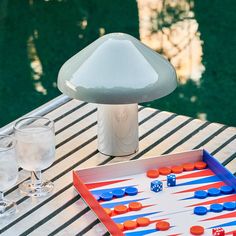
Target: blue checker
(200,210)
(106,196)
(213,192)
(226,189)
(118,193)
(216,207)
(131,191)
(229,206)
(97,197)
(200,194)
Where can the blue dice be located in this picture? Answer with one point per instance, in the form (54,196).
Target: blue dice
(156,186)
(171,180)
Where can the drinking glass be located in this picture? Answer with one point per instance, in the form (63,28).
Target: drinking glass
(35,147)
(8,173)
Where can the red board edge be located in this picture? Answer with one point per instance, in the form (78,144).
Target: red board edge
(95,206)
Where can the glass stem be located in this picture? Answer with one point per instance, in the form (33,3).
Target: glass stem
(36,178)
(1,196)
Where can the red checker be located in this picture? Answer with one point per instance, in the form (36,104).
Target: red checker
(164,171)
(120,226)
(177,169)
(120,209)
(135,206)
(108,211)
(143,221)
(188,166)
(152,174)
(130,224)
(197,230)
(200,165)
(162,225)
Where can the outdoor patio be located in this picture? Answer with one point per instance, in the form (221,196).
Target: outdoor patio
(64,212)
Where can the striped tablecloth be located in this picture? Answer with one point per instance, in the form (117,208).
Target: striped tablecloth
(64,212)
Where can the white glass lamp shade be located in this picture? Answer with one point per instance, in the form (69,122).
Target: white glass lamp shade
(117,69)
(117,72)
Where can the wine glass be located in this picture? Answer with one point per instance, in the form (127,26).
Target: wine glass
(35,149)
(8,173)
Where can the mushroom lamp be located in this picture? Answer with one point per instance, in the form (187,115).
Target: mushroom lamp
(117,72)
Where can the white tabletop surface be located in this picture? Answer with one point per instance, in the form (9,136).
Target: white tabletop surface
(64,212)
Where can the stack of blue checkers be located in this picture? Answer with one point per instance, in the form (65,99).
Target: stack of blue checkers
(213,192)
(117,193)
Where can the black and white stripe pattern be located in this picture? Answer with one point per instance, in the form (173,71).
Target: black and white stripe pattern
(64,212)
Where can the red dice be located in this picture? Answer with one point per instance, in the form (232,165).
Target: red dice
(218,232)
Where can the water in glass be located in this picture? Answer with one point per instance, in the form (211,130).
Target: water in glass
(35,148)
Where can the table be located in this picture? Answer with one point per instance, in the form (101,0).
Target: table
(64,212)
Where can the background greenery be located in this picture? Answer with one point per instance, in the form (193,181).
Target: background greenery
(53,31)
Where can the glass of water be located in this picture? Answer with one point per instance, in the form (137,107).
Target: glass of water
(8,173)
(35,147)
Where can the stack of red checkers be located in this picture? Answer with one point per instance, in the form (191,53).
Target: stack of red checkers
(153,173)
